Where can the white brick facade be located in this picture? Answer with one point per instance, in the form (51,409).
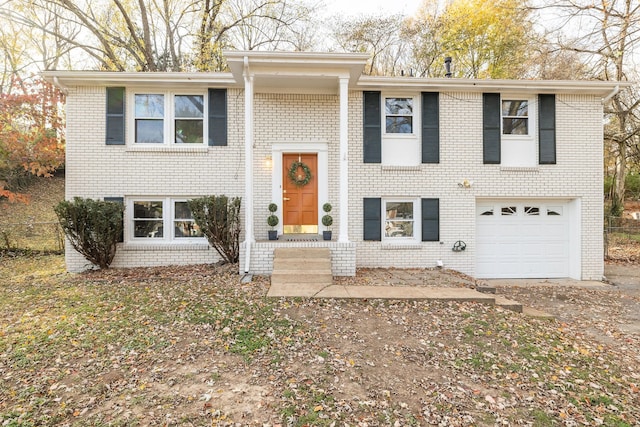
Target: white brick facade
(303,117)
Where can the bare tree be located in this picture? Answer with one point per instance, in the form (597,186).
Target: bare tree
(154,35)
(381,36)
(606,34)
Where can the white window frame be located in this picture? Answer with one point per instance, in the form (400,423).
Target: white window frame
(417,220)
(169,118)
(402,149)
(415,117)
(168,221)
(521,150)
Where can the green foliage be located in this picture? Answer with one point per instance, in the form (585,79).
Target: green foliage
(327,220)
(272,219)
(608,185)
(93,228)
(219,219)
(485,38)
(632,185)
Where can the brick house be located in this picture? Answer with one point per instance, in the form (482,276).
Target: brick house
(416,169)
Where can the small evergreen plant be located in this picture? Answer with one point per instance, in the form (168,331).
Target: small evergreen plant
(327,219)
(272,219)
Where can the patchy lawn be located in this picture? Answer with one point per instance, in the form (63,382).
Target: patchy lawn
(191,346)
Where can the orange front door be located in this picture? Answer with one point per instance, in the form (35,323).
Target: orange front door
(300,199)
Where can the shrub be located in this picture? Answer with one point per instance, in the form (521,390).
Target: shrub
(93,227)
(272,219)
(219,219)
(327,219)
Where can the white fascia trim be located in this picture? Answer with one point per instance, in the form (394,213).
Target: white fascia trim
(583,87)
(111,78)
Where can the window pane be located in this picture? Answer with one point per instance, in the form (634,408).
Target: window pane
(399,124)
(515,108)
(509,210)
(398,229)
(182,211)
(531,210)
(189,106)
(149,106)
(149,131)
(145,209)
(189,131)
(399,210)
(147,228)
(147,219)
(399,219)
(515,126)
(186,229)
(554,211)
(400,106)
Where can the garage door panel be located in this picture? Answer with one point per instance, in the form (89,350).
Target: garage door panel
(527,244)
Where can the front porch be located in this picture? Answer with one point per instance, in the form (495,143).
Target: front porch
(343,255)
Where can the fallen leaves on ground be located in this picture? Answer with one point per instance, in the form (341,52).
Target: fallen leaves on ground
(192,346)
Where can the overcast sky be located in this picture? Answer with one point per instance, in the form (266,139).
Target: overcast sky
(368,7)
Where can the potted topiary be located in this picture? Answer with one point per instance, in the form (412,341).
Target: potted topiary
(273,220)
(327,220)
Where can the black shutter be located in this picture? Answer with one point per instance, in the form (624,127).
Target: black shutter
(491,116)
(115,119)
(430,127)
(547,129)
(430,220)
(372,131)
(372,219)
(121,201)
(217,117)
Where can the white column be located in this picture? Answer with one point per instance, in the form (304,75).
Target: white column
(344,160)
(248,164)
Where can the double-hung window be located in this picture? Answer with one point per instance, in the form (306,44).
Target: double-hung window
(518,131)
(515,117)
(400,223)
(398,115)
(401,145)
(169,118)
(162,220)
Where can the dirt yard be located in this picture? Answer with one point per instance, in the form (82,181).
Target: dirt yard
(191,346)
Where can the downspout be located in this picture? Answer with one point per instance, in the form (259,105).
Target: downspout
(613,93)
(60,86)
(248,169)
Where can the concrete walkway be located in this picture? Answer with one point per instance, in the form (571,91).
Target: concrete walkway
(430,293)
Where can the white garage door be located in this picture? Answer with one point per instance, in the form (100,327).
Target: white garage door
(522,239)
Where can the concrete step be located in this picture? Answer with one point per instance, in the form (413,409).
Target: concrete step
(285,264)
(508,304)
(302,253)
(295,268)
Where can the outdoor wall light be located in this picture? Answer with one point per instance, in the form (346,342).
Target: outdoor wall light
(465,184)
(268,162)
